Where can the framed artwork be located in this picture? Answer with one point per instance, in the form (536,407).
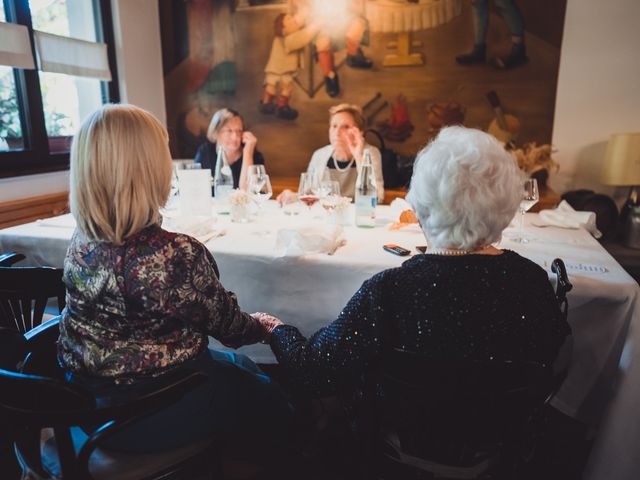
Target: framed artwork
(412,65)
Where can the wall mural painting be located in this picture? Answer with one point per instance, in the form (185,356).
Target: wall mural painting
(412,65)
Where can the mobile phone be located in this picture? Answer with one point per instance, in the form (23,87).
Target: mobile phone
(396,249)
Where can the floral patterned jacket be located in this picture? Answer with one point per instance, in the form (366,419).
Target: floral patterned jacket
(144,307)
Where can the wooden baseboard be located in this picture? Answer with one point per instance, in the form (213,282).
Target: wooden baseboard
(17,212)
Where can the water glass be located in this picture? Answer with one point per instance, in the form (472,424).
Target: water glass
(260,188)
(530,197)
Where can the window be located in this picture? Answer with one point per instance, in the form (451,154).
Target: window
(41,109)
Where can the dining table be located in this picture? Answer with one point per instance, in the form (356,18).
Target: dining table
(309,289)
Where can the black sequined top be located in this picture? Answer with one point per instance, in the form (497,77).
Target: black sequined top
(450,307)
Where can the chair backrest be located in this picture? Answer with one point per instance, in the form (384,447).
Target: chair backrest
(9,258)
(24,292)
(455,413)
(39,398)
(451,411)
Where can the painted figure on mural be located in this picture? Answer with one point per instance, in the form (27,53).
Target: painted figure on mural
(290,37)
(514,20)
(343,26)
(212,46)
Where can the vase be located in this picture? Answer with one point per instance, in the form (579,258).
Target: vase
(240,213)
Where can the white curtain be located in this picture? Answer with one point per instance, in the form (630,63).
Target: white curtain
(15,47)
(72,56)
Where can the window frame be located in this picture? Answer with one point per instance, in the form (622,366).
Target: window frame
(35,156)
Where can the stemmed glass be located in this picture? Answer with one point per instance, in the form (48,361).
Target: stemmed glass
(530,197)
(256,170)
(260,188)
(308,188)
(332,195)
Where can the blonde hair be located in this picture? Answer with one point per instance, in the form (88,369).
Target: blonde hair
(354,110)
(120,173)
(219,120)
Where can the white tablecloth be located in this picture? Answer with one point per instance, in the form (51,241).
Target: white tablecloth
(393,16)
(309,292)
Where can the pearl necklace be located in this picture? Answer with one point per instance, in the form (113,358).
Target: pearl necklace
(343,169)
(446,251)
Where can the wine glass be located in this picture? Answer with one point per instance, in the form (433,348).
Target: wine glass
(530,197)
(332,195)
(307,189)
(260,188)
(256,170)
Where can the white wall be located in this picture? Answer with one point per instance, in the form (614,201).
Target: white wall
(598,88)
(139,54)
(141,81)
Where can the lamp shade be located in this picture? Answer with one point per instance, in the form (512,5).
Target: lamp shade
(622,160)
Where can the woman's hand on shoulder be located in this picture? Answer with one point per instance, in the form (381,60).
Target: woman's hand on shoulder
(287,196)
(268,323)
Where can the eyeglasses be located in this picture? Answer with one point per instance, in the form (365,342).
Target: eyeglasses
(228,131)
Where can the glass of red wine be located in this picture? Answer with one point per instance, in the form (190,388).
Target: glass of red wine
(307,189)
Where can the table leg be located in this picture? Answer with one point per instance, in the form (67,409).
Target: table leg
(403,55)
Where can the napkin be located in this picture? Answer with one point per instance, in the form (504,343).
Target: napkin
(399,205)
(564,216)
(295,242)
(202,228)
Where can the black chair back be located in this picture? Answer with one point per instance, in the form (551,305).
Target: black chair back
(456,419)
(24,292)
(31,401)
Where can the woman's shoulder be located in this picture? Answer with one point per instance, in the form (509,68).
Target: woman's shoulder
(521,262)
(320,157)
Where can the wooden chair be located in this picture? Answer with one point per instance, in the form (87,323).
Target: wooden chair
(24,292)
(40,398)
(427,418)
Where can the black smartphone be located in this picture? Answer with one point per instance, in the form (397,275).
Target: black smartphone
(396,250)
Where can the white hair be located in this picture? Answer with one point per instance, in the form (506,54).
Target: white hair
(465,189)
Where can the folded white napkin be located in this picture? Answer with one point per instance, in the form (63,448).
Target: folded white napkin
(201,228)
(399,205)
(294,242)
(565,216)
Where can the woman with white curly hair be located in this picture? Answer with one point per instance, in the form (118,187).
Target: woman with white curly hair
(463,299)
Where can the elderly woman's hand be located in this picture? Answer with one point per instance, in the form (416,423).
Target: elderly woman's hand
(268,322)
(287,196)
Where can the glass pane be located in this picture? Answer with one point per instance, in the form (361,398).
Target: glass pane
(10,128)
(69,18)
(67,101)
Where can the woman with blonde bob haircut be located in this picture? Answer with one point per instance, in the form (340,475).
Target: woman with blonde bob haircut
(142,301)
(120,173)
(464,300)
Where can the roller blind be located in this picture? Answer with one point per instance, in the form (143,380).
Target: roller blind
(72,56)
(15,46)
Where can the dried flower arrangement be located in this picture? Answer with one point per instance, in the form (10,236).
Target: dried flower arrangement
(239,197)
(342,203)
(532,157)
